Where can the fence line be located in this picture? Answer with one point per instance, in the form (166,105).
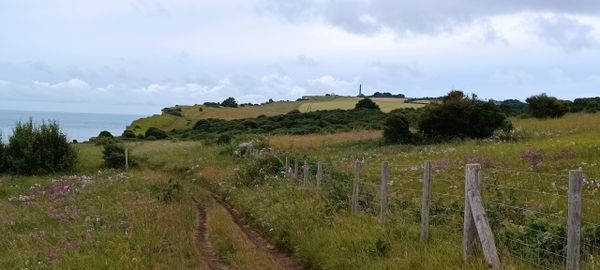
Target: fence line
(390,180)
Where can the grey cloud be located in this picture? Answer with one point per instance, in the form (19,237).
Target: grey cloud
(564,32)
(419,16)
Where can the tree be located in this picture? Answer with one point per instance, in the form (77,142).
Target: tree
(366,103)
(105,134)
(156,133)
(459,117)
(544,106)
(229,102)
(454,96)
(397,130)
(42,149)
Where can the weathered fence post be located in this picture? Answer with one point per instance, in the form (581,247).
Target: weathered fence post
(295,168)
(126,159)
(469,229)
(287,167)
(425,202)
(305,173)
(319,175)
(574,220)
(356,186)
(476,225)
(383,193)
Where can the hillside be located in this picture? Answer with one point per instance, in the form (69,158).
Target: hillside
(191,114)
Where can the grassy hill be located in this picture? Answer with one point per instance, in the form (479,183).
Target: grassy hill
(191,114)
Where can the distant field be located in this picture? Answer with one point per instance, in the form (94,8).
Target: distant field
(191,114)
(347,103)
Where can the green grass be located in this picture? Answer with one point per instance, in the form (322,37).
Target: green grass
(113,220)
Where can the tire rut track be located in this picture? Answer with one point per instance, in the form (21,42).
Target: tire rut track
(206,249)
(285,261)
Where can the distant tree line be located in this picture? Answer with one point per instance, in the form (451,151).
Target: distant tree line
(293,122)
(387,95)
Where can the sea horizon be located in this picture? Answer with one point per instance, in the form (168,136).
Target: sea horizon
(80,126)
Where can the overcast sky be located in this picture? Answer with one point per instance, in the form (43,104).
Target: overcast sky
(138,56)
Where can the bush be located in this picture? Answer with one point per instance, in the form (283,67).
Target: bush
(397,129)
(544,106)
(257,171)
(291,123)
(366,103)
(173,111)
(128,133)
(156,133)
(105,134)
(3,166)
(459,117)
(590,105)
(114,156)
(39,149)
(229,102)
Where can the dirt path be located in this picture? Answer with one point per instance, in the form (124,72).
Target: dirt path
(261,243)
(208,253)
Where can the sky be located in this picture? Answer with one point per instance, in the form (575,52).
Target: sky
(138,56)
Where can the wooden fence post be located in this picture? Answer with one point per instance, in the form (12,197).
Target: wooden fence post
(305,173)
(296,168)
(383,193)
(469,229)
(126,159)
(287,167)
(425,202)
(319,175)
(356,186)
(574,220)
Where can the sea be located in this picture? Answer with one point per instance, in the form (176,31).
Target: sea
(77,126)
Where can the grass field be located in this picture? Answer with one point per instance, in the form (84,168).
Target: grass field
(110,219)
(190,114)
(348,103)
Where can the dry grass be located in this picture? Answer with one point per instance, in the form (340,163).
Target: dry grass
(348,103)
(315,141)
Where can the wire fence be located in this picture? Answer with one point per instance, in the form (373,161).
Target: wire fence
(527,210)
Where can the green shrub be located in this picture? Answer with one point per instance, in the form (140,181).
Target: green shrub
(460,117)
(544,106)
(173,111)
(156,133)
(291,123)
(397,129)
(229,102)
(42,149)
(257,171)
(366,103)
(105,134)
(590,105)
(3,165)
(128,133)
(114,156)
